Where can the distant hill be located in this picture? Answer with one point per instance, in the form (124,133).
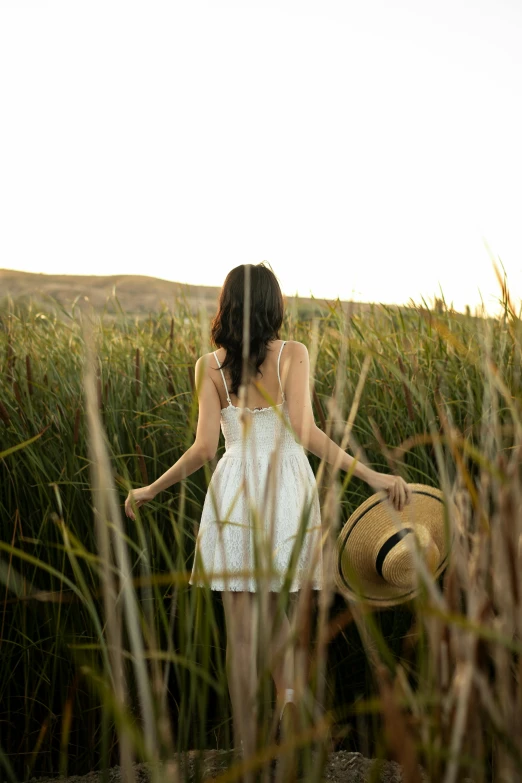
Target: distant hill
(137,294)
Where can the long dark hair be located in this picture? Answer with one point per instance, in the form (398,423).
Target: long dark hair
(266,317)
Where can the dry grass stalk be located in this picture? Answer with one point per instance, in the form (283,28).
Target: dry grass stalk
(398,733)
(108,520)
(112,606)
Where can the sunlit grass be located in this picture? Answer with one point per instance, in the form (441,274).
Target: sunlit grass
(107,655)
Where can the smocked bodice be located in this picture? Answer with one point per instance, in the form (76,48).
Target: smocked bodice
(262,431)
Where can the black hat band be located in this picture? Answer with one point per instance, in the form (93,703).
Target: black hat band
(388,545)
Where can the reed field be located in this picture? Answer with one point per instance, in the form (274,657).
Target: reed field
(108,656)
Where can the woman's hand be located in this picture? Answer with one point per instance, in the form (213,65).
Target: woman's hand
(398,491)
(138,497)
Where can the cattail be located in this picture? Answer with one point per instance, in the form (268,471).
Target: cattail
(99,393)
(171,336)
(190,370)
(4,414)
(29,373)
(18,395)
(106,389)
(76,425)
(137,371)
(143,467)
(407,394)
(170,383)
(45,380)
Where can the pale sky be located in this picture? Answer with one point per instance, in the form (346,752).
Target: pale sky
(366,149)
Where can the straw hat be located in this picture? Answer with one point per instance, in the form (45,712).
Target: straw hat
(373,559)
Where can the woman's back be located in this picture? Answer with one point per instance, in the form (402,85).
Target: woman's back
(269,379)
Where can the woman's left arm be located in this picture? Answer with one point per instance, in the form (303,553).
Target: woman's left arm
(202,450)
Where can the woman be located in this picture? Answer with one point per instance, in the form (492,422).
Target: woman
(261,512)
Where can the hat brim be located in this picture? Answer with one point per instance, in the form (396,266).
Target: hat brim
(427,507)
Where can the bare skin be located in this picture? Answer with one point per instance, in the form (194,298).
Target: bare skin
(295,376)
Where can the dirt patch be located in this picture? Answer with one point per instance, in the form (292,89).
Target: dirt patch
(341,767)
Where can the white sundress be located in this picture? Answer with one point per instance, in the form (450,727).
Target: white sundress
(262,494)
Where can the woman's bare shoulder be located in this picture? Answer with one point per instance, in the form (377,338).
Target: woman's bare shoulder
(206,361)
(206,356)
(296,349)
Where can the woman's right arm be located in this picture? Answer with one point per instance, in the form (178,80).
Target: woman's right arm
(202,450)
(317,442)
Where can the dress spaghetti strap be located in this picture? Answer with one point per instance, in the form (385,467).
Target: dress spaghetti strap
(278,375)
(223,376)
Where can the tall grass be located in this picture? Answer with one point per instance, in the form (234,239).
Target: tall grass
(107,655)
